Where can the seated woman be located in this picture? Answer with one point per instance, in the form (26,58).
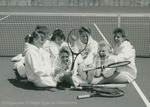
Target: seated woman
(19,65)
(124,51)
(87,55)
(62,65)
(103,56)
(38,68)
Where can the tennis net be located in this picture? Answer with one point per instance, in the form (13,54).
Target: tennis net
(14,27)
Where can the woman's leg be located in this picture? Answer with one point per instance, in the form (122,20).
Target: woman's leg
(117,77)
(48,81)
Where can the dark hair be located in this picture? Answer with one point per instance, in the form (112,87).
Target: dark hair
(85,29)
(35,35)
(119,30)
(64,49)
(27,38)
(58,33)
(42,27)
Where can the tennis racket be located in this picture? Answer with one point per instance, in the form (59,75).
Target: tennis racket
(113,65)
(74,38)
(98,85)
(103,92)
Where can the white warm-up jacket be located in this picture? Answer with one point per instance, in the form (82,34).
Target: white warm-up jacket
(126,52)
(38,67)
(53,48)
(90,50)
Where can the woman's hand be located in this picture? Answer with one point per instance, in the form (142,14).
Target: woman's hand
(58,70)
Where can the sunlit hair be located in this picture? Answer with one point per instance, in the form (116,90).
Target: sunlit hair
(104,44)
(64,49)
(58,33)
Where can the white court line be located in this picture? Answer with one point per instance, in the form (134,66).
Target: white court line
(101,33)
(147,103)
(74,23)
(77,14)
(141,94)
(4,17)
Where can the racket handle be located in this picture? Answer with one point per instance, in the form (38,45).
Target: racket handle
(111,85)
(90,69)
(76,88)
(83,96)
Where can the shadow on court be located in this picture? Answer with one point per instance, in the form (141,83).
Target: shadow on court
(28,85)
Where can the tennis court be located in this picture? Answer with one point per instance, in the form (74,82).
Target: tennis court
(16,23)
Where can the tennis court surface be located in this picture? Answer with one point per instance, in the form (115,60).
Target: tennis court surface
(16,23)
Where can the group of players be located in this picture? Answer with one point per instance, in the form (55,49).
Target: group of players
(46,60)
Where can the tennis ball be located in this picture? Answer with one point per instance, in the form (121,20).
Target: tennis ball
(74,37)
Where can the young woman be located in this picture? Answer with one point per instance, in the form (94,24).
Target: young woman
(20,58)
(88,54)
(38,67)
(103,57)
(124,51)
(62,66)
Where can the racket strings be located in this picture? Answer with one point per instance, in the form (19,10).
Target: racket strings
(77,42)
(108,92)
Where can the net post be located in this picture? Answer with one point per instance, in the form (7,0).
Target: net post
(119,20)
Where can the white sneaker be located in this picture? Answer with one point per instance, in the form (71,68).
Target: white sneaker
(17,58)
(15,66)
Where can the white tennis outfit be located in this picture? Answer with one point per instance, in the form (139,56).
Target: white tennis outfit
(53,48)
(76,79)
(126,52)
(38,67)
(107,72)
(20,64)
(90,51)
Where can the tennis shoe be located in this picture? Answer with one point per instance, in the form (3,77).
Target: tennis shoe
(18,77)
(16,65)
(16,58)
(60,87)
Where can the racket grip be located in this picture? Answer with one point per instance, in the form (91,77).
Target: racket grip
(90,69)
(83,96)
(76,88)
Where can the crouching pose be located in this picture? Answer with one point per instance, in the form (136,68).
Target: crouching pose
(38,67)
